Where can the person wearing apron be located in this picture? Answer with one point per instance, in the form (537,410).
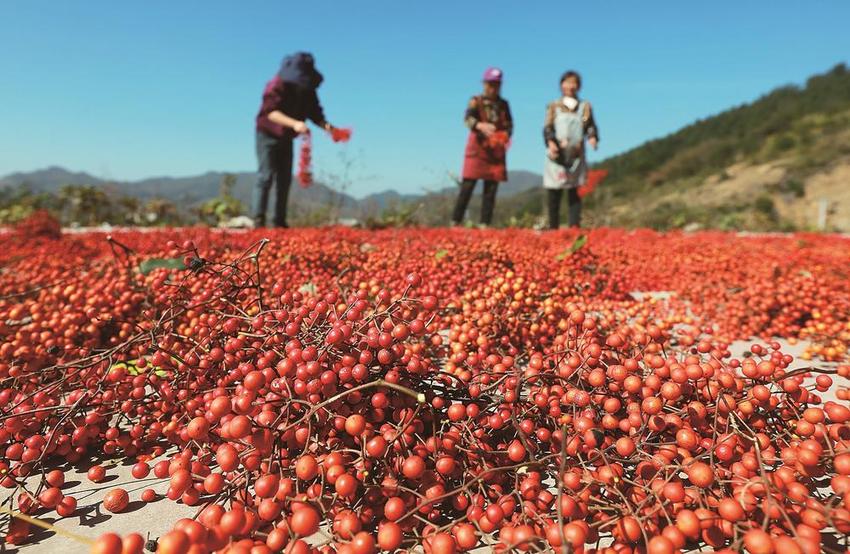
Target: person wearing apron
(569,121)
(488,117)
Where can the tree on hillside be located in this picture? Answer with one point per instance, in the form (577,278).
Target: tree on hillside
(223,207)
(84,205)
(16,203)
(159,211)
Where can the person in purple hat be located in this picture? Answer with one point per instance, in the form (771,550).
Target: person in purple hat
(488,117)
(288,100)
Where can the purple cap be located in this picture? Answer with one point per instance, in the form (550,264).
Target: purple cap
(493,75)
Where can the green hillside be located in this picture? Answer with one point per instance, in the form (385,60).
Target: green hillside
(668,182)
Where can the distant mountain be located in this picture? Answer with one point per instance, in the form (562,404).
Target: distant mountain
(49,179)
(184,191)
(386,199)
(520,181)
(192,190)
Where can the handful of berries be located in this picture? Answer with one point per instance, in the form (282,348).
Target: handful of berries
(499,139)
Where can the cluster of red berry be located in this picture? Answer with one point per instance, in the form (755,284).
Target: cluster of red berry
(594,177)
(305,174)
(431,391)
(340,135)
(305,158)
(40,223)
(499,139)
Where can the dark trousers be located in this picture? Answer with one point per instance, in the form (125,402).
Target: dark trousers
(574,201)
(488,201)
(274,158)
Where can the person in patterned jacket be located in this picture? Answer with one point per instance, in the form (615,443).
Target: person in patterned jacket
(488,118)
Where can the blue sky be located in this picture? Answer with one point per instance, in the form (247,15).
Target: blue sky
(131,90)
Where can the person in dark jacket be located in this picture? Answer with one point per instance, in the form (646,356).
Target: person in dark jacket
(288,100)
(488,117)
